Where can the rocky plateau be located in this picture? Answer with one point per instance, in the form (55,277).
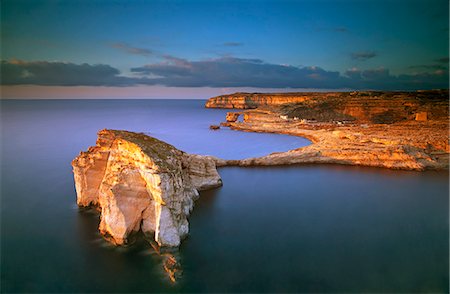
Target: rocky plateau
(398,130)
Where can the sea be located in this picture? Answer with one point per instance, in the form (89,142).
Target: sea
(300,229)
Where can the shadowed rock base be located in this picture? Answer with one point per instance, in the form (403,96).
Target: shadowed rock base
(141,183)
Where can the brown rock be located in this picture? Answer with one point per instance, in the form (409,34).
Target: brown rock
(383,132)
(381,107)
(253,100)
(232,116)
(421,116)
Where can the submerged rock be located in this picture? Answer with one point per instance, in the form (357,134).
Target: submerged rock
(141,183)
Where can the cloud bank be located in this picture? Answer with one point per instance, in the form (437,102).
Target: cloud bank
(233,44)
(219,72)
(237,72)
(47,73)
(132,50)
(363,55)
(443,60)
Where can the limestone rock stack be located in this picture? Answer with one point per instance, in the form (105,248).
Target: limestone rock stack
(141,183)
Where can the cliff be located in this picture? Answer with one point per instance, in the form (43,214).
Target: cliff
(364,106)
(406,145)
(398,130)
(141,183)
(253,100)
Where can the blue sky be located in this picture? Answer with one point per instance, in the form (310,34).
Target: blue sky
(166,46)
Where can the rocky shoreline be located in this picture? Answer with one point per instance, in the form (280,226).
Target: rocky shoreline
(141,183)
(397,130)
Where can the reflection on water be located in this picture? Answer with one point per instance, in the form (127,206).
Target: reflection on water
(170,259)
(172,266)
(278,229)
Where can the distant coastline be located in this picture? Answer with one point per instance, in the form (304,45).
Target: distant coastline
(397,130)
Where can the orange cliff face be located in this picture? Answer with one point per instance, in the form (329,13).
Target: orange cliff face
(253,100)
(141,183)
(397,130)
(365,106)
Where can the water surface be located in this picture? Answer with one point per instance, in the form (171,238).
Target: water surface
(278,229)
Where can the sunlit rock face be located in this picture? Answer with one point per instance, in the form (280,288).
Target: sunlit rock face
(232,116)
(397,130)
(141,183)
(380,107)
(254,100)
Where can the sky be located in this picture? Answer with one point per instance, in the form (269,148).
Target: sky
(199,49)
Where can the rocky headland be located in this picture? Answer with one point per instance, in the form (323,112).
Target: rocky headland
(141,183)
(398,130)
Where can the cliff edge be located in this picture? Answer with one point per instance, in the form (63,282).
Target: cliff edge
(254,100)
(397,130)
(141,183)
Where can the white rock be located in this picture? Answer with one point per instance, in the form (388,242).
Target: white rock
(141,183)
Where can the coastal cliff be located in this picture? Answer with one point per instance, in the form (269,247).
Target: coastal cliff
(254,100)
(397,130)
(367,106)
(141,183)
(402,146)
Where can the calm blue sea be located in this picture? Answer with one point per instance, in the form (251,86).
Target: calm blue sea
(280,229)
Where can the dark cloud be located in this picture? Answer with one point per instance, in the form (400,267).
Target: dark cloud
(353,74)
(428,67)
(341,30)
(18,72)
(220,72)
(381,79)
(368,76)
(233,44)
(363,55)
(237,72)
(376,74)
(442,60)
(132,50)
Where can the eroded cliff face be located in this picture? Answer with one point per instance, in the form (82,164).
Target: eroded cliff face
(397,130)
(254,100)
(405,145)
(141,183)
(364,106)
